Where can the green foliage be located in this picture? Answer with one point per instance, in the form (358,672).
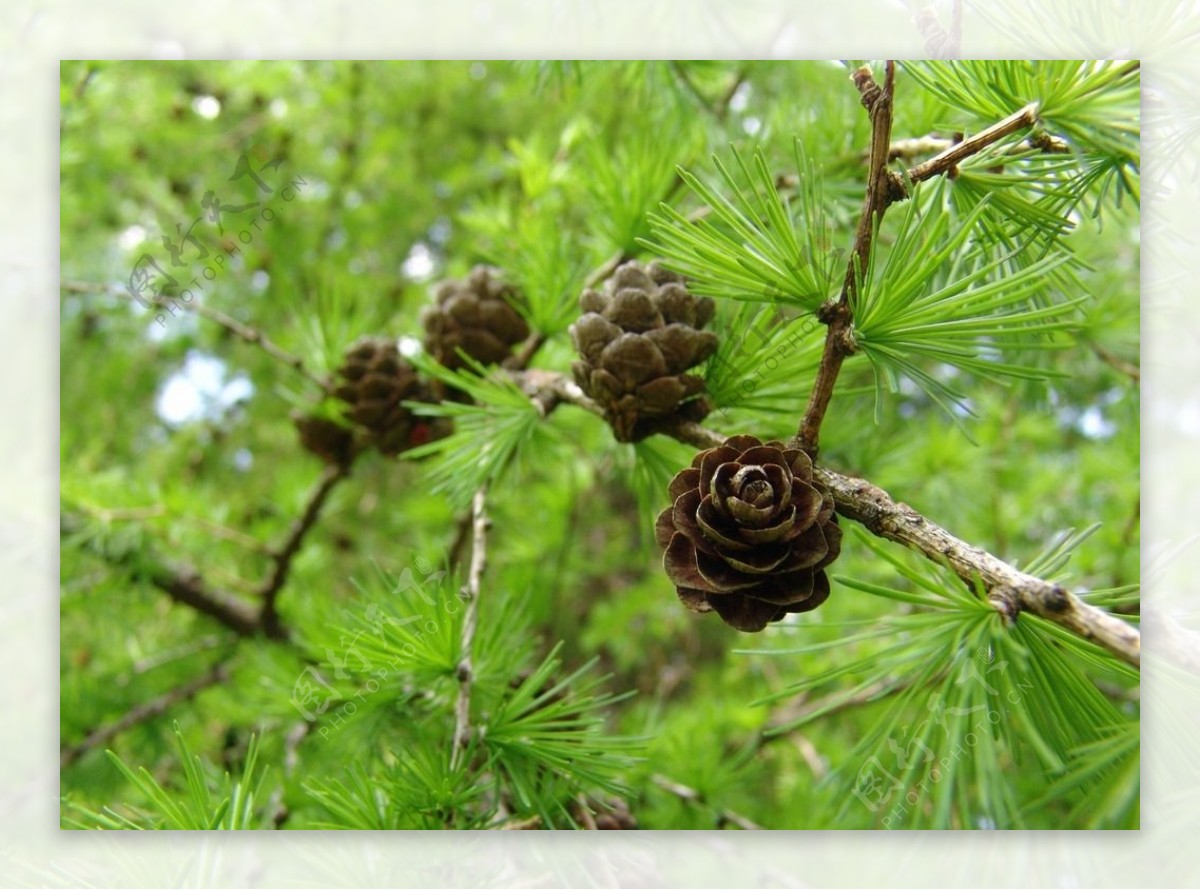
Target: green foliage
(757,248)
(191,807)
(547,736)
(1004,296)
(1093,105)
(935,298)
(490,434)
(986,702)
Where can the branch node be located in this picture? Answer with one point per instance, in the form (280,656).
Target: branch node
(864,82)
(1057,599)
(1006,601)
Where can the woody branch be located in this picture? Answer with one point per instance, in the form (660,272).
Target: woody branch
(1009,590)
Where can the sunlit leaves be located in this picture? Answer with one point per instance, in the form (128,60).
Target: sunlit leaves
(934,297)
(751,245)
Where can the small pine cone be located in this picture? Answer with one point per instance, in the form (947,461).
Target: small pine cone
(330,441)
(476,315)
(609,815)
(636,340)
(376,379)
(618,818)
(749,533)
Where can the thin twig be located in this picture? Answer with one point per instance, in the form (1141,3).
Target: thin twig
(946,161)
(243,331)
(254,545)
(783,724)
(723,103)
(1009,590)
(142,712)
(286,552)
(520,359)
(291,759)
(920,145)
(185,585)
(689,85)
(604,270)
(718,109)
(182,583)
(465,671)
(883,188)
(690,795)
(531,823)
(462,530)
(1130,370)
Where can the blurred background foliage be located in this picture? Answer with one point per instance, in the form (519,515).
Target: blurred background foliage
(176,447)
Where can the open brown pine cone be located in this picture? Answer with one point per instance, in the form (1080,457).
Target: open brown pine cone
(749,533)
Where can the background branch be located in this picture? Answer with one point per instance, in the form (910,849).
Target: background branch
(182,583)
(235,327)
(690,795)
(283,556)
(142,712)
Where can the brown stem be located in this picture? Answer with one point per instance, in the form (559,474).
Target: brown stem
(182,583)
(1114,361)
(286,552)
(692,796)
(881,190)
(920,145)
(952,156)
(142,712)
(520,359)
(185,585)
(1009,590)
(465,671)
(245,332)
(836,350)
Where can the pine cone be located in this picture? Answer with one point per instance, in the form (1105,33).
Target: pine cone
(611,814)
(749,533)
(476,315)
(376,379)
(637,339)
(330,441)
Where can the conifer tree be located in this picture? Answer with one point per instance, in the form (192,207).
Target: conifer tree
(416,414)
